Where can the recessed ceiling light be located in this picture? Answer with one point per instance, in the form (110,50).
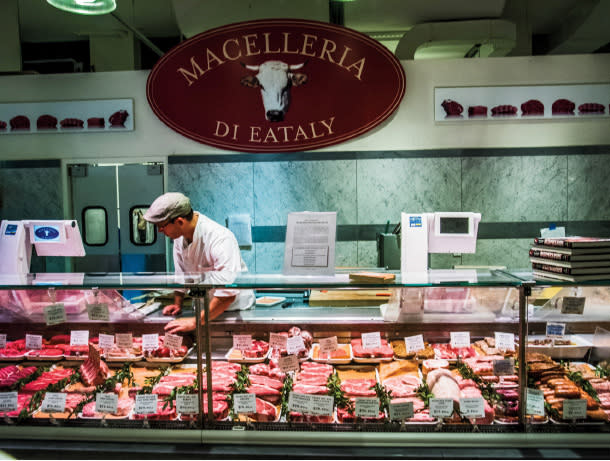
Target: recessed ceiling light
(84,6)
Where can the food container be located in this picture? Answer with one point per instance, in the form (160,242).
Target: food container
(332,361)
(577,350)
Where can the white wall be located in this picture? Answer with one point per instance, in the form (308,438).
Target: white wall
(411,128)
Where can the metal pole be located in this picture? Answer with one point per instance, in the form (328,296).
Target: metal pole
(208,357)
(525,290)
(197,300)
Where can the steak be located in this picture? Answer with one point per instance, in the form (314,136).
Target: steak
(358,387)
(118,118)
(591,108)
(220,408)
(532,107)
(477,111)
(309,389)
(503,109)
(264,392)
(20,122)
(563,107)
(452,108)
(265,381)
(71,123)
(46,122)
(265,411)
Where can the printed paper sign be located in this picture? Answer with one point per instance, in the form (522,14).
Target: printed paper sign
(106,402)
(289,363)
(534,402)
(187,404)
(124,340)
(328,345)
(54,402)
(371,340)
(98,311)
(574,409)
(242,342)
(299,402)
(33,342)
(172,341)
(555,330)
(311,404)
(460,339)
(295,344)
(573,305)
(55,314)
(2,341)
(79,337)
(106,341)
(505,341)
(441,408)
(8,401)
(277,341)
(504,367)
(244,403)
(150,342)
(146,404)
(367,407)
(401,410)
(472,407)
(414,343)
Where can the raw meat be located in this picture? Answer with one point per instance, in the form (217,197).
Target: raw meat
(264,392)
(532,107)
(452,108)
(477,111)
(265,411)
(308,389)
(385,351)
(71,123)
(503,109)
(20,122)
(96,122)
(46,122)
(266,381)
(118,118)
(563,107)
(591,108)
(358,387)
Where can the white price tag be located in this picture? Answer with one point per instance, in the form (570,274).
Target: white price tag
(8,401)
(124,340)
(535,402)
(504,367)
(311,404)
(2,341)
(555,330)
(505,341)
(98,311)
(244,403)
(371,340)
(33,342)
(328,345)
(322,405)
(573,305)
(401,410)
(146,404)
(414,343)
(289,363)
(79,337)
(106,402)
(574,409)
(295,344)
(299,402)
(150,342)
(242,342)
(277,341)
(460,339)
(55,314)
(187,404)
(367,407)
(441,408)
(106,341)
(54,402)
(172,341)
(473,407)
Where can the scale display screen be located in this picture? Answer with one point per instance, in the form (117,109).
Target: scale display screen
(454,225)
(11,229)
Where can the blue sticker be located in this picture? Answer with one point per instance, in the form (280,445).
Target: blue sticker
(11,229)
(45,233)
(414,221)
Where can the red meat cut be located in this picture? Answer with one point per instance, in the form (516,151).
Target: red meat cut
(20,122)
(452,108)
(591,108)
(477,111)
(71,123)
(563,107)
(96,122)
(503,109)
(118,118)
(46,122)
(532,107)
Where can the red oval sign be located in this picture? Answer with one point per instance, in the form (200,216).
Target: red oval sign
(277,85)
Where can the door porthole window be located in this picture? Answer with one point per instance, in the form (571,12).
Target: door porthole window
(95,226)
(142,232)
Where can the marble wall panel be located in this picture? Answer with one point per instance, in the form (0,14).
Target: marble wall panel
(30,193)
(515,188)
(367,253)
(512,253)
(270,256)
(588,187)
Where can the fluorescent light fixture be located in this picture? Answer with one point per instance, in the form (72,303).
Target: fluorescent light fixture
(84,6)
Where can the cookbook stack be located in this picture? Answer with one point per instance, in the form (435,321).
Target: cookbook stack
(572,259)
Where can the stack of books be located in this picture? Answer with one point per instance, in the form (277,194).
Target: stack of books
(573,259)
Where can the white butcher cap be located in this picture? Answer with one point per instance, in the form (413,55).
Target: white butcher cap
(168,206)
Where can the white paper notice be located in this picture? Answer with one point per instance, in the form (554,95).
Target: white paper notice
(187,403)
(473,407)
(33,342)
(505,341)
(106,341)
(146,404)
(367,407)
(441,408)
(150,342)
(124,340)
(573,305)
(289,363)
(535,402)
(242,342)
(277,341)
(505,367)
(240,225)
(310,243)
(555,330)
(295,344)
(414,343)
(460,339)
(79,337)
(401,410)
(98,311)
(574,409)
(172,341)
(244,403)
(55,314)
(8,401)
(106,402)
(310,404)
(2,341)
(54,402)
(328,345)
(371,340)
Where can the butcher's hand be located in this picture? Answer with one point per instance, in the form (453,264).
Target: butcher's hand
(172,309)
(184,324)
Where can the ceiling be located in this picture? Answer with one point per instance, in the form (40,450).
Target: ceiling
(414,29)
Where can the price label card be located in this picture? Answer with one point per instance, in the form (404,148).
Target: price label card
(401,410)
(534,402)
(441,408)
(472,407)
(79,337)
(150,342)
(124,340)
(146,404)
(311,404)
(106,341)
(289,363)
(242,342)
(322,404)
(98,311)
(460,339)
(187,403)
(244,403)
(414,343)
(106,402)
(328,345)
(574,409)
(367,407)
(573,305)
(2,341)
(55,314)
(505,341)
(8,401)
(371,340)
(54,402)
(277,341)
(504,367)
(300,403)
(33,341)
(295,344)
(555,330)
(172,341)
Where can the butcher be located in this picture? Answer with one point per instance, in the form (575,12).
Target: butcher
(200,245)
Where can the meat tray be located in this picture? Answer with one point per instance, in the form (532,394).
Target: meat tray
(246,359)
(268,301)
(43,358)
(107,416)
(12,358)
(372,359)
(169,359)
(131,358)
(337,361)
(577,351)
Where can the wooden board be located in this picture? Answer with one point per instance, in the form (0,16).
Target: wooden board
(341,298)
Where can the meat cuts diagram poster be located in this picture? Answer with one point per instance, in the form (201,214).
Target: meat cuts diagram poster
(522,102)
